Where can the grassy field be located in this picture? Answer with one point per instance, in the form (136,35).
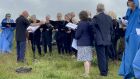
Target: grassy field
(51,67)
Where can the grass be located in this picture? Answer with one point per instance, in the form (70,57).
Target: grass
(50,67)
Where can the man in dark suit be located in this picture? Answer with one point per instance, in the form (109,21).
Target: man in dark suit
(21,25)
(21,32)
(102,29)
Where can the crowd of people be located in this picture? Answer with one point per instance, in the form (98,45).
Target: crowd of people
(104,32)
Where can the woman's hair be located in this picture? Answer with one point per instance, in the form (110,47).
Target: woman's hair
(83,15)
(112,14)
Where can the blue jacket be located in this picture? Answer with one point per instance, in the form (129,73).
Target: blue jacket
(83,34)
(130,62)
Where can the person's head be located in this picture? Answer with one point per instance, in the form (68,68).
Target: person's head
(89,14)
(131,4)
(25,14)
(59,16)
(83,16)
(67,17)
(112,14)
(8,16)
(48,18)
(72,14)
(33,17)
(100,8)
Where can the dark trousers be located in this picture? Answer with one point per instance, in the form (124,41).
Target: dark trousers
(67,46)
(47,44)
(60,46)
(102,56)
(111,52)
(36,43)
(47,41)
(21,48)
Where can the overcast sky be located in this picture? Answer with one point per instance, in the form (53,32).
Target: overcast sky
(44,7)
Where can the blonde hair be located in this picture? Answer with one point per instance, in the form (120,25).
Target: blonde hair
(112,14)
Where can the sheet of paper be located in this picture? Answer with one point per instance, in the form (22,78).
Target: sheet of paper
(138,31)
(72,26)
(32,29)
(74,44)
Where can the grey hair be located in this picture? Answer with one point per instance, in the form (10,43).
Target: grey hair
(33,16)
(100,7)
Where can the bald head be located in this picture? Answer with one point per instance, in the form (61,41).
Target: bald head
(25,14)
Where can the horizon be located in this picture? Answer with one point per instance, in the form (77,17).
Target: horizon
(41,8)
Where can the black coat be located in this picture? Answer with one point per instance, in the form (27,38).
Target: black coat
(60,25)
(102,28)
(21,28)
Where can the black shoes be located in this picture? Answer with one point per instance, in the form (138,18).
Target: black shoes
(103,74)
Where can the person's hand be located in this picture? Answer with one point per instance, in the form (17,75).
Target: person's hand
(8,25)
(29,30)
(56,29)
(68,31)
(62,29)
(53,30)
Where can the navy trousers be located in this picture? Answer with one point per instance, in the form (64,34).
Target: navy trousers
(21,48)
(47,41)
(102,56)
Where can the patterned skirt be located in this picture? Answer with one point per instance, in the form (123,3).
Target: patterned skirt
(84,53)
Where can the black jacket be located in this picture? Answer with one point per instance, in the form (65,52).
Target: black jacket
(21,28)
(47,31)
(102,28)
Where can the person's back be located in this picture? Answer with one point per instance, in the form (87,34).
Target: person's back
(84,42)
(103,28)
(83,34)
